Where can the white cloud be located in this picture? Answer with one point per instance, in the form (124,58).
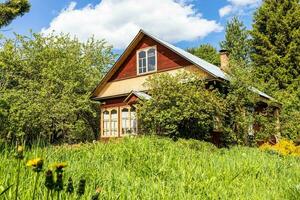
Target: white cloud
(225,10)
(238,6)
(118,21)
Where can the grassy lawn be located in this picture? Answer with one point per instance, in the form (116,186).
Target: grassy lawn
(155,168)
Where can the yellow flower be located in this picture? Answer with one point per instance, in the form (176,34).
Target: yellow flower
(283,147)
(59,166)
(19,154)
(36,164)
(20,149)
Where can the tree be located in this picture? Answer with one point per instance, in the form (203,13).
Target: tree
(275,53)
(276,42)
(207,52)
(180,106)
(236,40)
(45,86)
(11,9)
(245,108)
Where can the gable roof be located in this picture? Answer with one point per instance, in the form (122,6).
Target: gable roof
(138,94)
(211,69)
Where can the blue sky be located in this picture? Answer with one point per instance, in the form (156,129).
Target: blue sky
(185,23)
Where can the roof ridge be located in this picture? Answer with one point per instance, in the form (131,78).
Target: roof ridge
(201,63)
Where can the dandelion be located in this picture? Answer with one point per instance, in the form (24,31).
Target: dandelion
(37,166)
(19,153)
(19,156)
(59,167)
(81,187)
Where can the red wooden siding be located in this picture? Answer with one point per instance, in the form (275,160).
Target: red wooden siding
(114,102)
(166,59)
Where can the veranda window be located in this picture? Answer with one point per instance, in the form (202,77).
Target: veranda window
(125,120)
(133,121)
(106,123)
(114,122)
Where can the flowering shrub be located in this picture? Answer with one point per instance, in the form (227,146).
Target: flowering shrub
(283,147)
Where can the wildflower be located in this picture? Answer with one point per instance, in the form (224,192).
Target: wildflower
(36,164)
(49,181)
(70,187)
(81,187)
(19,156)
(283,147)
(59,166)
(19,153)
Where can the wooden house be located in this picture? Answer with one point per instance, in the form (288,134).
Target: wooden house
(123,85)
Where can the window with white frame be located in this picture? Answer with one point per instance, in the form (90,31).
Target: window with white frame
(125,120)
(133,121)
(106,123)
(114,123)
(147,60)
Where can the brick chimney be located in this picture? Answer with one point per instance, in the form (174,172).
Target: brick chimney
(224,58)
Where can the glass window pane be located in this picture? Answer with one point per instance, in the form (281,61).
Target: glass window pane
(133,121)
(151,59)
(125,119)
(142,62)
(114,122)
(142,54)
(105,123)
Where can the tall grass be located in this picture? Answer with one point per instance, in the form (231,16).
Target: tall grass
(158,168)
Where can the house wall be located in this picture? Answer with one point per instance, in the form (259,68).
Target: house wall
(125,86)
(166,60)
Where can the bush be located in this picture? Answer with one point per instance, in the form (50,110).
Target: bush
(181,106)
(283,147)
(45,84)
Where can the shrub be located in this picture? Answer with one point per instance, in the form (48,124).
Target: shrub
(181,105)
(283,147)
(45,84)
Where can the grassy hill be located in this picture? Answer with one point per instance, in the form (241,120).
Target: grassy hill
(158,168)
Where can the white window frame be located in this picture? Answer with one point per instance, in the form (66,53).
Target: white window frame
(137,60)
(129,122)
(110,132)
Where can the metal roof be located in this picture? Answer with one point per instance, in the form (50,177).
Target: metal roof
(141,95)
(210,68)
(253,89)
(202,64)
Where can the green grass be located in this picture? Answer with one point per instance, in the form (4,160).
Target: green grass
(156,168)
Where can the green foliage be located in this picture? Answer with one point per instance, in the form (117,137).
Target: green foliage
(246,108)
(290,112)
(181,105)
(236,40)
(45,86)
(206,52)
(158,168)
(276,42)
(276,57)
(11,9)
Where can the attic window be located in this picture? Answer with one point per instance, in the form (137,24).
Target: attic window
(146,60)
